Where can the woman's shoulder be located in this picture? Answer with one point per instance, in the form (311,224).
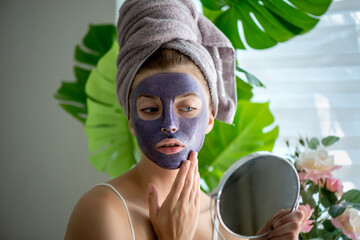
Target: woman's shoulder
(98,215)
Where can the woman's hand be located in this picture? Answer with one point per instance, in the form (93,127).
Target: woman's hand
(284,225)
(178,216)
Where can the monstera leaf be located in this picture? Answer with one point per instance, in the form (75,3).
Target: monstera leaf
(95,44)
(227,143)
(264,22)
(113,146)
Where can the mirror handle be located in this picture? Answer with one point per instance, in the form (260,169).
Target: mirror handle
(215,220)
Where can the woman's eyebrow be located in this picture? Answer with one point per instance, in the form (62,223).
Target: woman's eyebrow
(187,95)
(147,96)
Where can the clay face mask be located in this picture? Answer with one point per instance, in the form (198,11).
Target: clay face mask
(172,132)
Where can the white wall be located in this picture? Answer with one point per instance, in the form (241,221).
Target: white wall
(44,166)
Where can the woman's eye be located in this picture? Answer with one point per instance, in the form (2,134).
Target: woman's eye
(187,109)
(149,110)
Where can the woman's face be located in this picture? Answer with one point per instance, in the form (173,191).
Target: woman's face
(169,116)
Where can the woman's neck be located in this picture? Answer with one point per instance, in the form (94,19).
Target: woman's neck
(146,172)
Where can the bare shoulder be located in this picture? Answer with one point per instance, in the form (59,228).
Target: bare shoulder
(98,215)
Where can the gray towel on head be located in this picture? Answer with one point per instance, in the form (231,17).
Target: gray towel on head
(147,25)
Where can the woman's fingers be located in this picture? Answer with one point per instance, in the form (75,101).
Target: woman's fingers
(288,231)
(179,181)
(292,216)
(287,226)
(153,201)
(188,188)
(195,185)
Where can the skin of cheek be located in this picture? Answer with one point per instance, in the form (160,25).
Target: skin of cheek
(190,131)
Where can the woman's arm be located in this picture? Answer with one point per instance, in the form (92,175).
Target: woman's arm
(98,215)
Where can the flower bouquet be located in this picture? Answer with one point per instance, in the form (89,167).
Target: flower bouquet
(329,213)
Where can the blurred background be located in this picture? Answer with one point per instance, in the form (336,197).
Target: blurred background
(313,84)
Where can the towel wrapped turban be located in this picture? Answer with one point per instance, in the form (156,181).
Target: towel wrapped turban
(144,26)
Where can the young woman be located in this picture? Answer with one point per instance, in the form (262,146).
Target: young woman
(171,101)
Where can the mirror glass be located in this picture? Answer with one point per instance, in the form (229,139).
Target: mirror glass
(253,190)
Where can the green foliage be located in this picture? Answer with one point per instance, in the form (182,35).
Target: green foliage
(328,198)
(313,143)
(336,210)
(243,89)
(245,82)
(95,44)
(251,79)
(113,146)
(328,226)
(352,196)
(264,23)
(307,197)
(327,141)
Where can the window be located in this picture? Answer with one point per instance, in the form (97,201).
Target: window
(313,84)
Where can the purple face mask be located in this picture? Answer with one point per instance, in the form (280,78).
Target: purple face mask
(158,139)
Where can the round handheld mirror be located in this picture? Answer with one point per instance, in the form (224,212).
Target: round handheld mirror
(253,190)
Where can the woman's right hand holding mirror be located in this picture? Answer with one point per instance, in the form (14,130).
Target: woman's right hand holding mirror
(177,217)
(284,225)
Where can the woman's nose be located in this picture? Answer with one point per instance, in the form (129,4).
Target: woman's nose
(169,130)
(169,124)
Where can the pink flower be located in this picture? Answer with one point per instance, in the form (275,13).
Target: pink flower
(306,224)
(349,223)
(333,185)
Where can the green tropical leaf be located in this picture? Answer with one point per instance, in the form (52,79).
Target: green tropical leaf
(211,14)
(214,4)
(243,89)
(264,23)
(227,23)
(227,143)
(113,146)
(71,95)
(251,79)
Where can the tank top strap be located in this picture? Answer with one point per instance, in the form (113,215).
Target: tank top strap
(123,200)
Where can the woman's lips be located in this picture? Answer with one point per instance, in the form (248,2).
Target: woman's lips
(170,146)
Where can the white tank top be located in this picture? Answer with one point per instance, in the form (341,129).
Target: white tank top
(216,223)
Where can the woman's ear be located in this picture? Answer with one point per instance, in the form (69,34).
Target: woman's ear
(131,128)
(210,124)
